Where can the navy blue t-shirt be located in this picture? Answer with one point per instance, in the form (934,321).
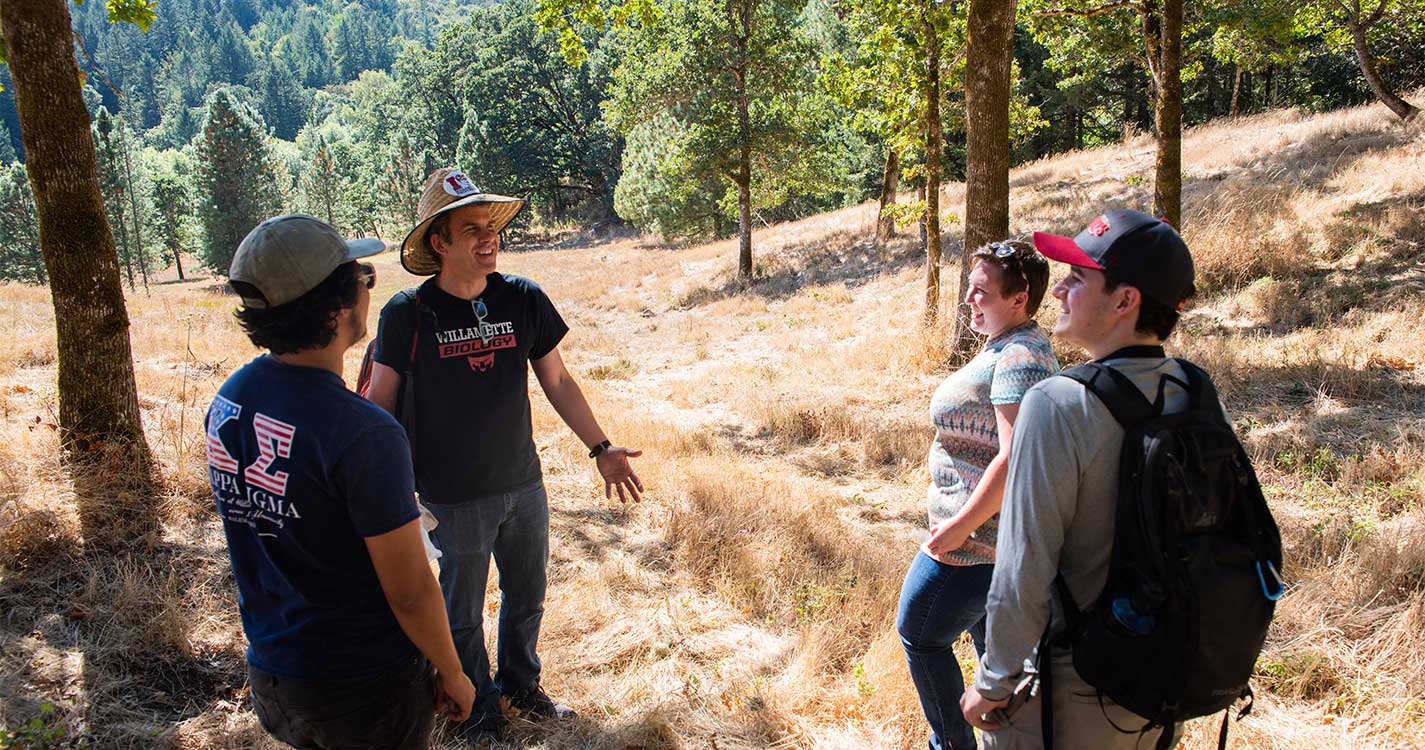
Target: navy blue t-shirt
(471,372)
(303,470)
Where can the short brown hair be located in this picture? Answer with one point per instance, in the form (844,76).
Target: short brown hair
(439,225)
(1154,317)
(1025,270)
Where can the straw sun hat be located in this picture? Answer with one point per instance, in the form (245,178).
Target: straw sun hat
(447,189)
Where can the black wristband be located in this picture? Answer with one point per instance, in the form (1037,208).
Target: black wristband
(598,450)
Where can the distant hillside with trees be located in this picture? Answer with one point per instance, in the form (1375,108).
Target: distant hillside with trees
(602,113)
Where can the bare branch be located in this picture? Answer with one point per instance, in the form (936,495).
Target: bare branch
(119,95)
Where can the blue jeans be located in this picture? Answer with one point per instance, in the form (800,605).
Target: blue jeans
(938,603)
(514,527)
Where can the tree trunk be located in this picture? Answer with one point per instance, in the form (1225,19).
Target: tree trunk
(1268,98)
(1402,109)
(744,139)
(1236,92)
(890,184)
(1125,118)
(133,206)
(920,225)
(98,401)
(178,261)
(987,86)
(932,170)
(1168,173)
(123,246)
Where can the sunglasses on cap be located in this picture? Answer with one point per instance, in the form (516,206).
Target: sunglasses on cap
(367,273)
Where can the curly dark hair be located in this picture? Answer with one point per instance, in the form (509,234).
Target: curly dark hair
(1025,271)
(1154,317)
(308,322)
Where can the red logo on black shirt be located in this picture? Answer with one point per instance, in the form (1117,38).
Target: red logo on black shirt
(481,363)
(476,346)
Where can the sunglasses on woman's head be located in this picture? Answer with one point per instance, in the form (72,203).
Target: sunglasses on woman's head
(1007,254)
(1004,250)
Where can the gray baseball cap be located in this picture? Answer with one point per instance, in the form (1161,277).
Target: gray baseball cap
(287,256)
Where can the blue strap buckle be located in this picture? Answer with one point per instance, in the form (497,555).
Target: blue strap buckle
(1262,579)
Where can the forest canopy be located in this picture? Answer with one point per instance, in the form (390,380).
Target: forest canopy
(340,109)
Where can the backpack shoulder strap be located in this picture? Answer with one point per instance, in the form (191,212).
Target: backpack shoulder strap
(416,331)
(1202,394)
(1123,399)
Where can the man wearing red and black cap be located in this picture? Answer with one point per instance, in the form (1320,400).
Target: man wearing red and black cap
(1129,276)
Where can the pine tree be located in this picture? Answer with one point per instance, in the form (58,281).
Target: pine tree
(7,147)
(321,184)
(112,187)
(173,204)
(283,102)
(236,183)
(20,258)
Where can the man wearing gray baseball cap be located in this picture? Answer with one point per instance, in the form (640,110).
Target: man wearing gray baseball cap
(314,484)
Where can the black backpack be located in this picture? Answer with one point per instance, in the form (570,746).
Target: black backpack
(1194,575)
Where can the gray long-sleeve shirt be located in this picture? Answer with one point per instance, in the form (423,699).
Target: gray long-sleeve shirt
(1058,512)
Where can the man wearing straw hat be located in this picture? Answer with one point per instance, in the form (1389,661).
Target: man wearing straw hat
(450,361)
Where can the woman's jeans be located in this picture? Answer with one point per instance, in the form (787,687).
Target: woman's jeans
(938,603)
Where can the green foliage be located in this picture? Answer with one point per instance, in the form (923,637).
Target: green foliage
(173,200)
(661,193)
(7,147)
(282,101)
(520,119)
(360,42)
(20,258)
(396,88)
(687,67)
(884,81)
(43,732)
(235,177)
(124,183)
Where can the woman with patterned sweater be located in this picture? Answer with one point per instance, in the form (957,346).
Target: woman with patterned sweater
(973,412)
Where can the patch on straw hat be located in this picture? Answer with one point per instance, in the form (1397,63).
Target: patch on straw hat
(447,189)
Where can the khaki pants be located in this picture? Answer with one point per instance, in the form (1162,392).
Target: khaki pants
(1080,721)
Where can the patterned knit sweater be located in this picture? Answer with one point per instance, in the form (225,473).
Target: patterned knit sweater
(966,438)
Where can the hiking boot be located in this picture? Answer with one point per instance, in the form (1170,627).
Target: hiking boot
(484,733)
(532,702)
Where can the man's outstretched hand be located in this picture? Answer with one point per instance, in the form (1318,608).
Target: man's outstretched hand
(618,473)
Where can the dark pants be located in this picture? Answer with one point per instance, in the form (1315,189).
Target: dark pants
(514,528)
(938,603)
(389,710)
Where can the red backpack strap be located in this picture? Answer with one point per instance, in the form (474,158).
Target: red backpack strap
(415,334)
(363,379)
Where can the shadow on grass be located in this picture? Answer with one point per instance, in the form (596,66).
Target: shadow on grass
(104,636)
(838,258)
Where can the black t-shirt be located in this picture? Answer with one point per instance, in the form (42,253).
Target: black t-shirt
(472,425)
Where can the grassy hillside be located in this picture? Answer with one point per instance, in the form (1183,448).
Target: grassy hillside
(749,601)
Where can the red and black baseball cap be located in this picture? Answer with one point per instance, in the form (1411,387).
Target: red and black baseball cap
(1141,250)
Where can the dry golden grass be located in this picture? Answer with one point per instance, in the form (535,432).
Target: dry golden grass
(749,601)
